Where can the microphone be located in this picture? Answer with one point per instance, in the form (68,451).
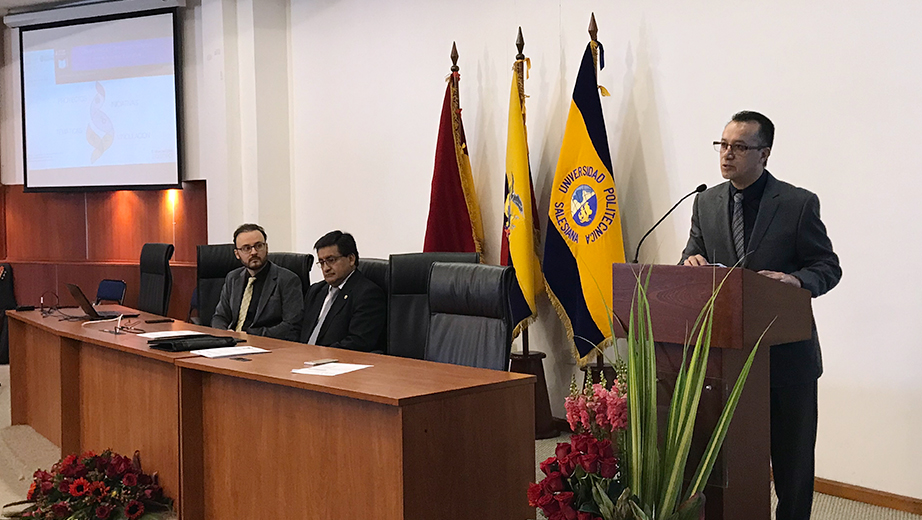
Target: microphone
(699,189)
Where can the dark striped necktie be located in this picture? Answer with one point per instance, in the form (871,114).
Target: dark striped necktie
(739,235)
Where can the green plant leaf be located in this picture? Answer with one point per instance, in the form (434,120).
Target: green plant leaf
(691,509)
(623,505)
(688,396)
(639,513)
(590,507)
(606,506)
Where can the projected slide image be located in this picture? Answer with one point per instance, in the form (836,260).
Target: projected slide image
(113,60)
(99,106)
(114,122)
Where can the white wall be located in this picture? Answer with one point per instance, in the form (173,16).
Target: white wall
(840,80)
(363,84)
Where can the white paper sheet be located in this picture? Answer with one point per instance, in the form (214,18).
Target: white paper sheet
(239,350)
(330,369)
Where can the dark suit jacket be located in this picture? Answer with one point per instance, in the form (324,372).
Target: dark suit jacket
(278,312)
(788,236)
(356,319)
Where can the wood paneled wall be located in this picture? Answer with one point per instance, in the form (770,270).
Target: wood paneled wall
(82,238)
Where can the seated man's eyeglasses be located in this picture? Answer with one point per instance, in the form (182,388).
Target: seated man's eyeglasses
(328,260)
(722,147)
(247,249)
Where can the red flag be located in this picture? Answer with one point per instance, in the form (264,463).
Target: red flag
(454,223)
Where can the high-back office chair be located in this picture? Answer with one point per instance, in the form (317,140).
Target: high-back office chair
(298,263)
(7,302)
(408,300)
(213,262)
(471,315)
(375,269)
(156,278)
(111,291)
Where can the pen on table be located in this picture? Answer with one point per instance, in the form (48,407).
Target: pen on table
(319,362)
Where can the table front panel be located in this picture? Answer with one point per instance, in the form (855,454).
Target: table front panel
(127,403)
(35,379)
(272,451)
(470,456)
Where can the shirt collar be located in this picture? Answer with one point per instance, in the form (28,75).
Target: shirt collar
(753,191)
(346,279)
(263,271)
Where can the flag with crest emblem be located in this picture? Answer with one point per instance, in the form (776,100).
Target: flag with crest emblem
(584,228)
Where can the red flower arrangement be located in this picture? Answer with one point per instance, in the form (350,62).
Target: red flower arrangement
(107,486)
(577,471)
(582,480)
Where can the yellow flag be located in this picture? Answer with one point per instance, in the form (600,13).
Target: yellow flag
(520,222)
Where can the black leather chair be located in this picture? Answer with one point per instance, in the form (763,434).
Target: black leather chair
(111,291)
(408,300)
(7,302)
(213,262)
(471,316)
(156,278)
(375,269)
(298,263)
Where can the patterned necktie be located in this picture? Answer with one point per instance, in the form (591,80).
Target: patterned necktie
(323,314)
(245,304)
(739,237)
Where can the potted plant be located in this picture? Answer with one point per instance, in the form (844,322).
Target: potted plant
(648,482)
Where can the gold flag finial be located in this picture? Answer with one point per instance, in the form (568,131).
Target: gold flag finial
(454,57)
(593,28)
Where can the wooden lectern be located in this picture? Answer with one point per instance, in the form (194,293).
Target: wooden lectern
(739,486)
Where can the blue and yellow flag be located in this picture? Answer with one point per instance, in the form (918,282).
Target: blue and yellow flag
(584,231)
(520,214)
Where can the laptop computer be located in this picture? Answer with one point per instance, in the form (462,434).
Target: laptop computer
(91,311)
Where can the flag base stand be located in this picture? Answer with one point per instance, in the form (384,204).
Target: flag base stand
(531,362)
(595,370)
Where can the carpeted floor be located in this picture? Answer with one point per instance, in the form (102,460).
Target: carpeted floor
(22,451)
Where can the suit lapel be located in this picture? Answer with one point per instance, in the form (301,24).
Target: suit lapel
(313,303)
(767,209)
(272,281)
(339,303)
(237,294)
(723,227)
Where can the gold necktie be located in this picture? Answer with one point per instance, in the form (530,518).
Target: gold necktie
(245,304)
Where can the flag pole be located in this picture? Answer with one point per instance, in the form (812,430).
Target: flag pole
(593,35)
(520,85)
(532,362)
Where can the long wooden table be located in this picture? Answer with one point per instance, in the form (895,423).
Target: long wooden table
(85,389)
(404,439)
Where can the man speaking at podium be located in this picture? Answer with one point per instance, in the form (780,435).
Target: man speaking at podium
(774,228)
